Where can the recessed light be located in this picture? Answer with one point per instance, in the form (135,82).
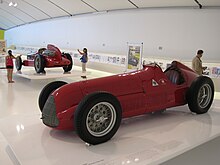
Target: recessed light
(14,4)
(10,4)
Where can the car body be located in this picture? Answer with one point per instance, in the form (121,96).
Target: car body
(46,58)
(94,108)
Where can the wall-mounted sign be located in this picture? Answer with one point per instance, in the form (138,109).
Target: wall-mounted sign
(134,56)
(2,46)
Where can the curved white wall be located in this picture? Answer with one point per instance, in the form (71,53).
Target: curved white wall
(180,32)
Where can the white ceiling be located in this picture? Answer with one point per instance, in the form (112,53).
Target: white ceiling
(28,11)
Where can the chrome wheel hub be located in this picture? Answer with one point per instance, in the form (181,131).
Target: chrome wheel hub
(204,95)
(101,119)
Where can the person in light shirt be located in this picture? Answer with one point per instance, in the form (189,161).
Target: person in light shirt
(197,63)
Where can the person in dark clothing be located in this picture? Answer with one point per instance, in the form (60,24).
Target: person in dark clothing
(9,66)
(84,60)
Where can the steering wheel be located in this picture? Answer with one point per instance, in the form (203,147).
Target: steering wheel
(157,65)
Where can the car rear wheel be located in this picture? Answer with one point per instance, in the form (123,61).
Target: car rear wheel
(200,95)
(97,117)
(68,67)
(47,90)
(39,63)
(18,63)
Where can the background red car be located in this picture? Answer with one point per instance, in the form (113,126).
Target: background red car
(46,58)
(94,108)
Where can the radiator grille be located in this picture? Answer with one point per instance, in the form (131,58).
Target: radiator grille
(49,116)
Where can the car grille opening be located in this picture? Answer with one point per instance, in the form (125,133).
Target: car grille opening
(49,116)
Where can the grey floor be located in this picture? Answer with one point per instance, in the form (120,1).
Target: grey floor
(174,137)
(205,154)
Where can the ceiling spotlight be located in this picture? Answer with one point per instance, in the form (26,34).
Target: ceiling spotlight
(14,4)
(10,4)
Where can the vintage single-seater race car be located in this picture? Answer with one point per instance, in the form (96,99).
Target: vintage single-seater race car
(46,58)
(94,108)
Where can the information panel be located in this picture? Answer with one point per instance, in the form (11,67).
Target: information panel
(2,46)
(134,56)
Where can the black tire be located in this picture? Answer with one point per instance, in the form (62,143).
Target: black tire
(200,95)
(47,90)
(18,63)
(39,63)
(97,117)
(68,67)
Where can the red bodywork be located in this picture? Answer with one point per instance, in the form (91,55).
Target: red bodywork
(135,91)
(50,61)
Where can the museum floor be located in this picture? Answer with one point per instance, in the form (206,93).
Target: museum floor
(148,139)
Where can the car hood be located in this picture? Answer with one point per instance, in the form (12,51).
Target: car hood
(118,85)
(67,96)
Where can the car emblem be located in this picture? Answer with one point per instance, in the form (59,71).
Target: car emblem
(154,83)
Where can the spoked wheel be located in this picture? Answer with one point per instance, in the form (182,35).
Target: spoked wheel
(200,95)
(39,63)
(98,117)
(204,95)
(68,67)
(18,63)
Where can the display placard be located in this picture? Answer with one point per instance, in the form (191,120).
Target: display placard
(2,46)
(134,56)
(215,71)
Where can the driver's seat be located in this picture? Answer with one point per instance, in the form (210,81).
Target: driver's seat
(174,74)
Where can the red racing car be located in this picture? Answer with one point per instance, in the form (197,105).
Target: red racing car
(94,108)
(46,58)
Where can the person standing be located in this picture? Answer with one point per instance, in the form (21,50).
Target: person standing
(9,66)
(197,63)
(84,60)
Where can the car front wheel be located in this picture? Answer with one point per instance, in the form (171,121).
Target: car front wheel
(47,90)
(18,63)
(68,67)
(39,63)
(97,117)
(200,95)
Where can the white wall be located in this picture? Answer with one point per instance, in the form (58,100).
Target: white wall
(180,32)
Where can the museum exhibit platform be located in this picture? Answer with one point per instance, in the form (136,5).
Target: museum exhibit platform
(147,139)
(51,73)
